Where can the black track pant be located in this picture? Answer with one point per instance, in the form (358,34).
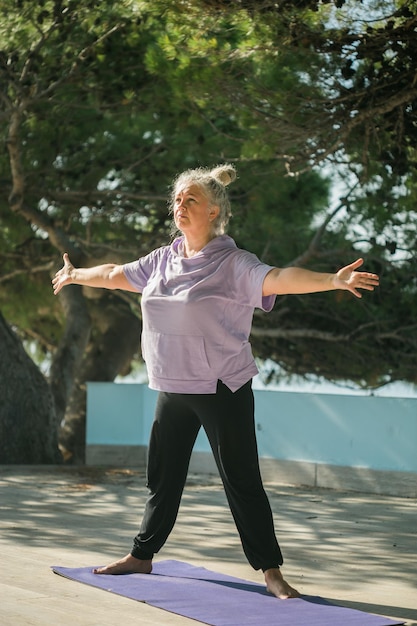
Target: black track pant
(228,420)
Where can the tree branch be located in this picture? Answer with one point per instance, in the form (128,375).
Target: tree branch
(400,99)
(313,247)
(298,333)
(97,194)
(26,270)
(81,57)
(13,145)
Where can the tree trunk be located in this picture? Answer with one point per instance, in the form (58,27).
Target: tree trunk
(28,428)
(69,355)
(115,341)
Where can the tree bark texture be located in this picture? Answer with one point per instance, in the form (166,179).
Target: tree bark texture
(28,433)
(114,342)
(70,353)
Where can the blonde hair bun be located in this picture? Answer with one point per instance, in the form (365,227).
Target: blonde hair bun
(224,174)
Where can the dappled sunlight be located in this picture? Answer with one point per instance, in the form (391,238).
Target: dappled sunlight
(64,507)
(357,538)
(359,546)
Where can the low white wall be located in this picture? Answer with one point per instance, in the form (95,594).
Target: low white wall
(365,443)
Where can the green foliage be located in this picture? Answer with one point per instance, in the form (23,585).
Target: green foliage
(275,220)
(113,99)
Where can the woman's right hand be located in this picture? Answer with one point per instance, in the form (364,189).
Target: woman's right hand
(63,276)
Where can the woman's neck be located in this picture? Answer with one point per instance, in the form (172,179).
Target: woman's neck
(193,245)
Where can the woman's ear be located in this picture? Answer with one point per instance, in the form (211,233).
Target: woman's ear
(213,212)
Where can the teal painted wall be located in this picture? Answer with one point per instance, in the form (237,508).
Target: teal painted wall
(357,431)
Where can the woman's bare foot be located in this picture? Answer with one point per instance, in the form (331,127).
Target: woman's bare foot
(127,565)
(279,587)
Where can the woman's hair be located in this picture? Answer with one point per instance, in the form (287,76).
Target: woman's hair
(213,183)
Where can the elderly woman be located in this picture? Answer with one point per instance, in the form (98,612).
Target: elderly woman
(198,299)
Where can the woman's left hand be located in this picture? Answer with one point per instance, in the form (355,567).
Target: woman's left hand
(348,278)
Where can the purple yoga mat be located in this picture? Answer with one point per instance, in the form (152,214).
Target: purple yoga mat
(220,600)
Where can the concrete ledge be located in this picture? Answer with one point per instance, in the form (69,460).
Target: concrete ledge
(364,480)
(117,456)
(360,479)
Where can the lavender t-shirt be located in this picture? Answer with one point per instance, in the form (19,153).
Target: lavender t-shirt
(197,314)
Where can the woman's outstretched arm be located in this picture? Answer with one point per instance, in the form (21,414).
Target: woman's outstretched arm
(108,276)
(296,280)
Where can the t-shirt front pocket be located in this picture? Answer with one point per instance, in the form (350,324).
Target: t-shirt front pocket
(175,357)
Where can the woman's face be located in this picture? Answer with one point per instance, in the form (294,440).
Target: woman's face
(193,213)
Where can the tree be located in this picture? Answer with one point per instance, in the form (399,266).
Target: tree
(324,83)
(359,58)
(28,429)
(102,103)
(54,67)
